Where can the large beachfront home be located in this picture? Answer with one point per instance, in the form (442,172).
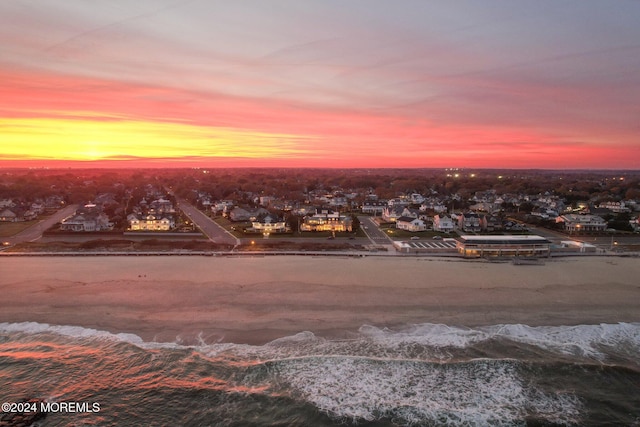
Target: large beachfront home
(326,220)
(87,218)
(268,224)
(151,222)
(410,224)
(575,223)
(503,245)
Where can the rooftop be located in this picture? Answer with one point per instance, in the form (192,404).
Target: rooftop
(503,239)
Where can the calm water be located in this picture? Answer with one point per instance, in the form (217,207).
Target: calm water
(426,375)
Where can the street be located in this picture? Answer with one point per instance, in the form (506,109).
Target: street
(35,231)
(374,233)
(213,231)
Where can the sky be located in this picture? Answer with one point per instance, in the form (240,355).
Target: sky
(320,83)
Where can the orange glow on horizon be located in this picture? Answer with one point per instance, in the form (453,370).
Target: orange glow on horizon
(116,124)
(87,139)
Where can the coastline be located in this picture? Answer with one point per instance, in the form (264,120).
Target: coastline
(257,299)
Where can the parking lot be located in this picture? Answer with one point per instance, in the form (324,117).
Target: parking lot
(437,246)
(442,244)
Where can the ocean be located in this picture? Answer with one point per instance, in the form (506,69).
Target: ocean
(422,375)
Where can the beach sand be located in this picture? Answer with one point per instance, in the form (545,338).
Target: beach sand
(257,299)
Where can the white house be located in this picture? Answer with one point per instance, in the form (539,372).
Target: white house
(410,224)
(582,223)
(151,223)
(87,218)
(325,220)
(443,223)
(268,224)
(374,207)
(617,207)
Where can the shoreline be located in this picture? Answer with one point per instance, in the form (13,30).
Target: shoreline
(254,300)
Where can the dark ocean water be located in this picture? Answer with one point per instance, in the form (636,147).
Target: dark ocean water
(425,375)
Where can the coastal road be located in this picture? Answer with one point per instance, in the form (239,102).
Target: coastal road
(375,234)
(213,231)
(35,231)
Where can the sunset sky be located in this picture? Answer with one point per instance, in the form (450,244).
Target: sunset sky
(320,83)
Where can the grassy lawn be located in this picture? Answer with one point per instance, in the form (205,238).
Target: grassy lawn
(8,229)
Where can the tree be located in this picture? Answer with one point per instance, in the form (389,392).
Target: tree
(355,223)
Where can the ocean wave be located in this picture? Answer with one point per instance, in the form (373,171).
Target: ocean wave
(426,341)
(68,331)
(424,374)
(479,392)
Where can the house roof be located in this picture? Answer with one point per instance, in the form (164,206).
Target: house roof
(408,219)
(504,239)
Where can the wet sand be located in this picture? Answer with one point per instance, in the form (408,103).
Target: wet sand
(257,299)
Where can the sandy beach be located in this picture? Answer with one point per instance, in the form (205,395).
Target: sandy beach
(257,299)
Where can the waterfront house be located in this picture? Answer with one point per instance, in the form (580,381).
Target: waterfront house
(576,223)
(86,219)
(326,220)
(151,222)
(268,224)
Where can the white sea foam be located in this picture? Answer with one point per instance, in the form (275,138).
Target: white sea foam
(591,341)
(479,392)
(581,340)
(68,331)
(436,335)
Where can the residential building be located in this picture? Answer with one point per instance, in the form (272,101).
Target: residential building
(470,222)
(576,223)
(396,212)
(416,198)
(268,224)
(443,223)
(410,224)
(6,203)
(326,220)
(9,215)
(239,214)
(374,207)
(616,207)
(86,219)
(491,223)
(151,222)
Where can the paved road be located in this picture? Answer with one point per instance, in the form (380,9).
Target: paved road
(213,231)
(375,234)
(35,231)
